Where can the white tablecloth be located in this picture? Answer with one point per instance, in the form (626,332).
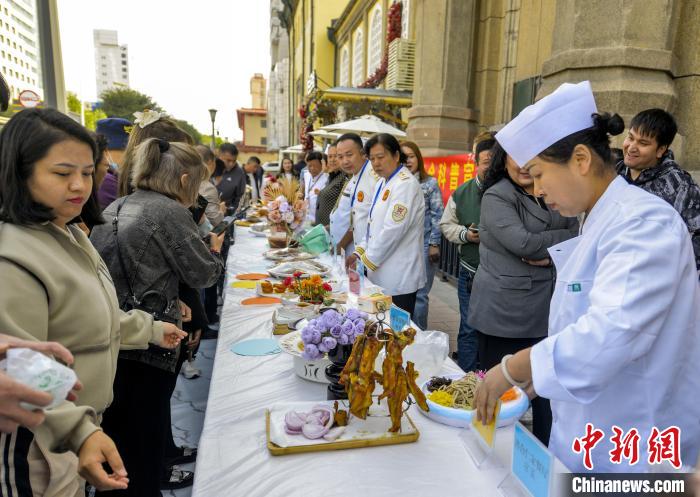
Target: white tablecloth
(233,459)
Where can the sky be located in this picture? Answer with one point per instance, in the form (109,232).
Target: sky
(189,56)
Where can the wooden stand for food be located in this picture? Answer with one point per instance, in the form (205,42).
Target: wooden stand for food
(382,439)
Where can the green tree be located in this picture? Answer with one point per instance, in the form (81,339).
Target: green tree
(123,102)
(74,102)
(189,128)
(92,116)
(206,140)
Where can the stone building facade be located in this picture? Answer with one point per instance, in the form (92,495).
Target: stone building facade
(479,62)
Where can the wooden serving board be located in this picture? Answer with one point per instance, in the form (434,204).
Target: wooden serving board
(276,450)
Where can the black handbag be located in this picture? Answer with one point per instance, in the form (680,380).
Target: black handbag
(158,305)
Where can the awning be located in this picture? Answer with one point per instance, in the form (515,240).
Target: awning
(392,97)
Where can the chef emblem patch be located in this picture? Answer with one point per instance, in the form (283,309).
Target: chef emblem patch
(386,195)
(360,196)
(316,190)
(399,213)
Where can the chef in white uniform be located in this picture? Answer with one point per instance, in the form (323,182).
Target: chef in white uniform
(392,251)
(353,205)
(624,326)
(314,181)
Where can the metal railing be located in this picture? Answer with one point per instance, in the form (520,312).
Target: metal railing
(449,260)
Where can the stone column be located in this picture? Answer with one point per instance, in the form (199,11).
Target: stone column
(440,121)
(624,47)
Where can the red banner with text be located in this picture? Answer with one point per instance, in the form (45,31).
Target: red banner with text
(450,171)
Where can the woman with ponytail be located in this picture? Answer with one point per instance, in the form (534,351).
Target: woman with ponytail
(621,359)
(152,246)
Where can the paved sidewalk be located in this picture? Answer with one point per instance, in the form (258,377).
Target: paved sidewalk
(443,313)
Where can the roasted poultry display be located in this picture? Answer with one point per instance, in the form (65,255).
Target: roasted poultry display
(359,376)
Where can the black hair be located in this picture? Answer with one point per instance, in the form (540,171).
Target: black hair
(597,138)
(219,168)
(497,170)
(656,123)
(101,142)
(481,146)
(314,155)
(616,155)
(253,158)
(230,148)
(352,137)
(25,140)
(389,142)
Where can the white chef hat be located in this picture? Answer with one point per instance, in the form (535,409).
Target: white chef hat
(547,121)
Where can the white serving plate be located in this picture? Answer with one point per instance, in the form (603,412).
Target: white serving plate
(511,411)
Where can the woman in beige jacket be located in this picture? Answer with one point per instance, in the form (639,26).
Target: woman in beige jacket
(56,287)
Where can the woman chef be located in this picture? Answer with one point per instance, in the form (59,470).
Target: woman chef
(624,322)
(392,250)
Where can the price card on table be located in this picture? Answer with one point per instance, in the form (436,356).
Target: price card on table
(487,432)
(399,318)
(532,465)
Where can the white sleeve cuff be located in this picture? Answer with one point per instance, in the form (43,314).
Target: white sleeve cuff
(544,374)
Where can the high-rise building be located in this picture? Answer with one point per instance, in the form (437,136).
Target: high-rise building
(111,61)
(19,46)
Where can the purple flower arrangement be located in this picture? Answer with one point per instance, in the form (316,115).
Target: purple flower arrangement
(328,330)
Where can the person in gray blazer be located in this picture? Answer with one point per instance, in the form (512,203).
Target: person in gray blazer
(512,288)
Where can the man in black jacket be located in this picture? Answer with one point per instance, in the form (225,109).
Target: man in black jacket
(254,177)
(649,163)
(233,182)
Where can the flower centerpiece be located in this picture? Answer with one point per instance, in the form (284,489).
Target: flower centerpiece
(330,329)
(312,289)
(284,203)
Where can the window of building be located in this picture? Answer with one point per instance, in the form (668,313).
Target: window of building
(345,67)
(405,18)
(3,54)
(123,62)
(104,57)
(14,45)
(375,40)
(263,140)
(13,30)
(263,123)
(358,59)
(104,74)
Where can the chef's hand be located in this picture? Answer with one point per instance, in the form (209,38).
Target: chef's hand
(97,449)
(351,262)
(488,392)
(434,253)
(473,236)
(539,262)
(185,311)
(172,336)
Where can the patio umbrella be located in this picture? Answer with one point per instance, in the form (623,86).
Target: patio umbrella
(365,125)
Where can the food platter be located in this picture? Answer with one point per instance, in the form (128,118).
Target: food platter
(288,255)
(359,433)
(307,268)
(511,411)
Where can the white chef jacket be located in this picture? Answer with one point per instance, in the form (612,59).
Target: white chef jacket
(393,249)
(624,330)
(312,187)
(361,200)
(340,216)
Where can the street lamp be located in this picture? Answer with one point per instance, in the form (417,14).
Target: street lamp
(212,114)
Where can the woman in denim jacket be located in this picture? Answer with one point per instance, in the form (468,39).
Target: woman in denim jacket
(151,244)
(432,235)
